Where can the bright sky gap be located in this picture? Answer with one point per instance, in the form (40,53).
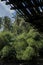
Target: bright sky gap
(5,10)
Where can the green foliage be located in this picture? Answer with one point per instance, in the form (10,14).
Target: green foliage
(7,23)
(7,52)
(20,26)
(34,39)
(22,42)
(5,38)
(28,53)
(20,45)
(1,22)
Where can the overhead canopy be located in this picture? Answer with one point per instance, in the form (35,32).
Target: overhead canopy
(33,9)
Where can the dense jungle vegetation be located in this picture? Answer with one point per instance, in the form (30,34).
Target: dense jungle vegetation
(19,40)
